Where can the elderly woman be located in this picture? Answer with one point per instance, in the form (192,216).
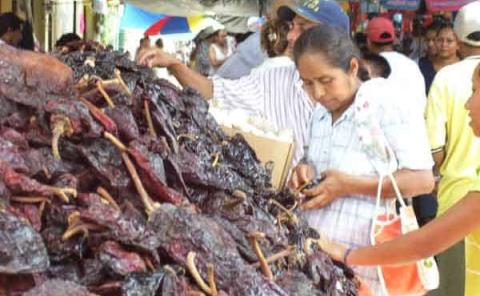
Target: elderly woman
(458,222)
(342,206)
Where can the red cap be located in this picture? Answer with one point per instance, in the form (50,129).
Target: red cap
(380,30)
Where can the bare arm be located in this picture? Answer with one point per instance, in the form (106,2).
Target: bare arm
(189,78)
(410,183)
(429,240)
(186,76)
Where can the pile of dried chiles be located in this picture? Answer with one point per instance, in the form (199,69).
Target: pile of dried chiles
(115,182)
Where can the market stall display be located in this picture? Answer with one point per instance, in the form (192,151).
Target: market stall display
(274,147)
(117,182)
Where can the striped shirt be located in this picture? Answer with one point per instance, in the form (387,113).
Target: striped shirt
(274,93)
(348,220)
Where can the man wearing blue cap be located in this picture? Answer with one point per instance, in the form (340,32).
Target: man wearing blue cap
(313,11)
(274,93)
(250,54)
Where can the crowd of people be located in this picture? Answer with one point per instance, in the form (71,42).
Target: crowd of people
(315,89)
(304,72)
(19,33)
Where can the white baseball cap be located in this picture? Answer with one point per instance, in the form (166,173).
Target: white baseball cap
(467,23)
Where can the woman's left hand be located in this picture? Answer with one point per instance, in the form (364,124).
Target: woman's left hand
(332,187)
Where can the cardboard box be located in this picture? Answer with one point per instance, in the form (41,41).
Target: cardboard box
(267,149)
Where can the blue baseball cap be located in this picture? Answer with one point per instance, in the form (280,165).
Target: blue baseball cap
(318,11)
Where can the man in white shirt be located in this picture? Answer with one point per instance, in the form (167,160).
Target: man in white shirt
(274,93)
(405,72)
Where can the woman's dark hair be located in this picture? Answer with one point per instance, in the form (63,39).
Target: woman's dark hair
(360,40)
(9,20)
(212,37)
(67,38)
(445,26)
(274,37)
(434,26)
(379,64)
(27,42)
(336,46)
(159,43)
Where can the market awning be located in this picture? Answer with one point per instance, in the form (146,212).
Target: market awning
(136,18)
(181,25)
(154,23)
(197,7)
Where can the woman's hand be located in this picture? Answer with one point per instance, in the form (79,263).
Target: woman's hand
(331,187)
(155,57)
(302,174)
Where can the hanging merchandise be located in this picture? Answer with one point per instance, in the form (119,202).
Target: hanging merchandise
(401,4)
(100,6)
(446,5)
(108,24)
(370,6)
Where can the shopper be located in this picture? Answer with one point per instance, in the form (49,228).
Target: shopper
(380,39)
(425,206)
(144,44)
(343,204)
(417,45)
(458,222)
(10,29)
(199,60)
(66,39)
(455,149)
(447,47)
(218,51)
(274,43)
(159,43)
(441,50)
(376,65)
(425,63)
(274,93)
(249,53)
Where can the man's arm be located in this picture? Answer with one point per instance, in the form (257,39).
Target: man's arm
(186,76)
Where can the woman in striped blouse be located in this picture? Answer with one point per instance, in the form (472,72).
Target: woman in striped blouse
(342,206)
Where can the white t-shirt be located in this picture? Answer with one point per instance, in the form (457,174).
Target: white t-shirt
(408,79)
(220,54)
